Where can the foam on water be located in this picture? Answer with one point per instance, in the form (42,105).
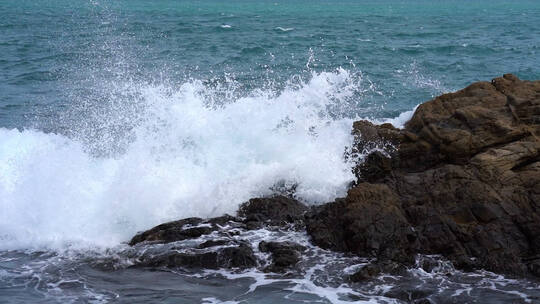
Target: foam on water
(183,155)
(320,276)
(284,29)
(398,122)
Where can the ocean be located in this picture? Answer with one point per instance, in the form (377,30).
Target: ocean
(116,116)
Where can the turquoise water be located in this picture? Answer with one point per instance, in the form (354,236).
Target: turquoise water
(119,115)
(409,50)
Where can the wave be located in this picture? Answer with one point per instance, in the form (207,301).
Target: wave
(284,29)
(183,155)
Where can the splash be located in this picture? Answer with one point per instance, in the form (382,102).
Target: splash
(171,153)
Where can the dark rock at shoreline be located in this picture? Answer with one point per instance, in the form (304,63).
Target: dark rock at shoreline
(188,228)
(214,243)
(240,256)
(255,213)
(462,179)
(226,250)
(284,254)
(277,211)
(373,269)
(368,222)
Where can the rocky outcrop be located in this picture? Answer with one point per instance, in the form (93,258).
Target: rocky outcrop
(180,230)
(284,254)
(276,211)
(462,179)
(219,242)
(239,256)
(253,214)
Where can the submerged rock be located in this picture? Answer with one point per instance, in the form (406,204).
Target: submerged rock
(462,179)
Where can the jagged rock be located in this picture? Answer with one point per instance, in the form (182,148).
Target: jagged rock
(365,273)
(274,246)
(277,210)
(462,179)
(240,256)
(214,243)
(372,270)
(413,296)
(172,231)
(284,254)
(180,230)
(534,266)
(369,221)
(227,250)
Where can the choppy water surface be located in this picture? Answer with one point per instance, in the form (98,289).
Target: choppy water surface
(118,115)
(102,276)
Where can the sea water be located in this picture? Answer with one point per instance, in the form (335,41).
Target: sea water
(119,115)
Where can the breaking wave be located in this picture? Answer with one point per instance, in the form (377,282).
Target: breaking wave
(163,153)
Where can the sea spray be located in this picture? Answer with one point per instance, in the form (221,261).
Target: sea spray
(176,154)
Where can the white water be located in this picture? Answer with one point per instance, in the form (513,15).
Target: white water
(186,157)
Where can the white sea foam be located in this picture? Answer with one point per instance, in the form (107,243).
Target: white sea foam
(211,300)
(284,29)
(185,156)
(398,122)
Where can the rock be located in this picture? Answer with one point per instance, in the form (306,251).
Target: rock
(188,228)
(274,246)
(534,266)
(227,257)
(372,270)
(462,180)
(368,222)
(223,220)
(226,249)
(284,254)
(414,296)
(365,273)
(172,231)
(239,257)
(277,210)
(214,243)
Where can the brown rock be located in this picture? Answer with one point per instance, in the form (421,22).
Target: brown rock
(368,221)
(462,179)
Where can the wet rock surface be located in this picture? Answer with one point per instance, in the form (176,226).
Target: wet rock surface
(276,211)
(184,229)
(462,179)
(284,254)
(219,242)
(238,256)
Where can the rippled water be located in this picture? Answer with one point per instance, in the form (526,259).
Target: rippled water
(102,276)
(118,115)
